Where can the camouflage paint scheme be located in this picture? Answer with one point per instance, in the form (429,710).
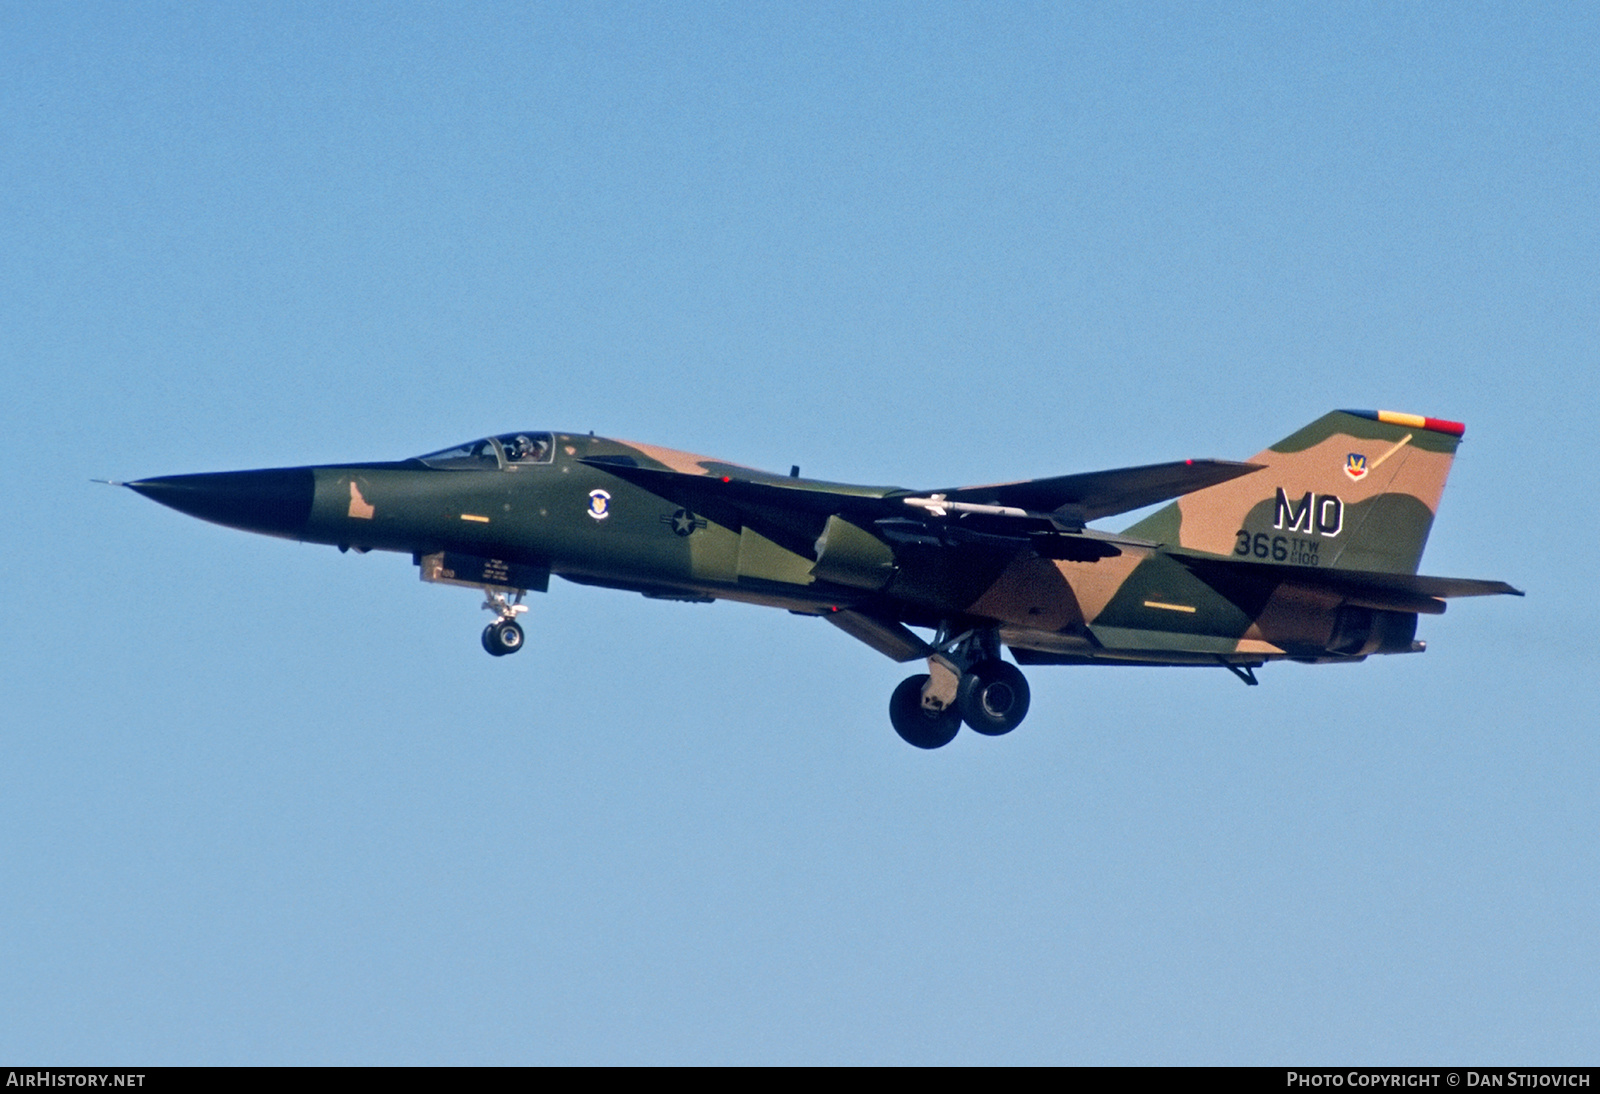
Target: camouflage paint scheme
(1307,551)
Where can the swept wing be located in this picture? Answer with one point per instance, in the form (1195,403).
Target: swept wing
(1066,501)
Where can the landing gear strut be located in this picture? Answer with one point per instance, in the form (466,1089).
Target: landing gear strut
(504,635)
(967,682)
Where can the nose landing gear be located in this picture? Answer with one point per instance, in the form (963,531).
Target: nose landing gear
(504,635)
(502,583)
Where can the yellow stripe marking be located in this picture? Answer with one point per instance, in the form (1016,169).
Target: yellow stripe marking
(475,517)
(1394,417)
(1169,607)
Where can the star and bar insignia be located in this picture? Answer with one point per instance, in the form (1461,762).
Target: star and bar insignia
(683,523)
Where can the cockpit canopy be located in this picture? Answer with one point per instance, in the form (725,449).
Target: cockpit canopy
(509,451)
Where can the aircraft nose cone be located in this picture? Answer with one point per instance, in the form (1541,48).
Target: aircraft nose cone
(276,502)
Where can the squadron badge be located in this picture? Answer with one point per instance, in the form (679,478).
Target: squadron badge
(599,504)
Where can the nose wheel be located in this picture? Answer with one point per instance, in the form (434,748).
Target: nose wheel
(502,638)
(504,635)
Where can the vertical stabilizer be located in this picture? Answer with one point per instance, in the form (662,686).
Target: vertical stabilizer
(1354,490)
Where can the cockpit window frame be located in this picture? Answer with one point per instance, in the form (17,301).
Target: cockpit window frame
(472,459)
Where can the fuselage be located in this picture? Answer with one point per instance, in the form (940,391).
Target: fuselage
(569,512)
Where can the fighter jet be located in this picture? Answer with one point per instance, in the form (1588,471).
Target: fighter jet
(1306,552)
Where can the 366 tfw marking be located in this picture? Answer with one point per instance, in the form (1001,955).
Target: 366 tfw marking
(1300,552)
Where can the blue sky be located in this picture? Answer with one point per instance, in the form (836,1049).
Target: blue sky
(266,803)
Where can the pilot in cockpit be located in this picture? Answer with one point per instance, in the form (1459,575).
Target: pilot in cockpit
(521,448)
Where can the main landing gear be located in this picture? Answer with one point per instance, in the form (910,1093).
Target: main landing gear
(504,635)
(967,682)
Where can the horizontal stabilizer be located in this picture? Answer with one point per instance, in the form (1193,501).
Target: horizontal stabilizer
(1373,589)
(1096,494)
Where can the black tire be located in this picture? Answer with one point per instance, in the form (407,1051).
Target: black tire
(918,727)
(502,638)
(993,698)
